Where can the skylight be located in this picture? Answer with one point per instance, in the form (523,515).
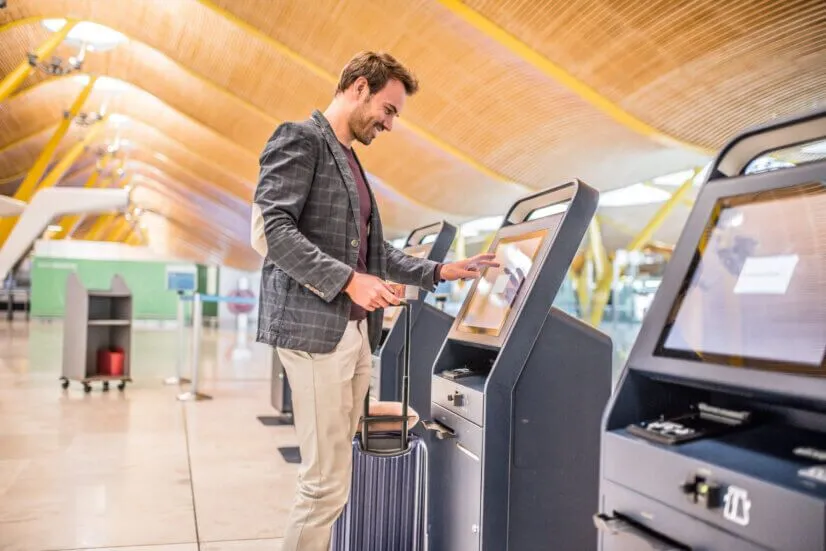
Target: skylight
(674,179)
(817,148)
(97,37)
(481,225)
(636,194)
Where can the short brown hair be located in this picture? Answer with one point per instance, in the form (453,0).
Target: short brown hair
(378,69)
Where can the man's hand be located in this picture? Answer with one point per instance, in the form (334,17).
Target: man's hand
(469,268)
(370,292)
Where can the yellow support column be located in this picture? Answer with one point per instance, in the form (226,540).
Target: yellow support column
(637,243)
(583,290)
(597,247)
(121,230)
(645,235)
(604,271)
(99,228)
(26,189)
(57,172)
(15,78)
(69,222)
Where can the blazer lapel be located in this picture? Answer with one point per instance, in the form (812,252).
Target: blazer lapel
(343,166)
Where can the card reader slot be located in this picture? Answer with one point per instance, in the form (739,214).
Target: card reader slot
(633,536)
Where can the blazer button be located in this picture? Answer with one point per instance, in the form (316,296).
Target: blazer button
(354,242)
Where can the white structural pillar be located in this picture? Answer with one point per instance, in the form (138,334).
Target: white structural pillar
(9,206)
(51,202)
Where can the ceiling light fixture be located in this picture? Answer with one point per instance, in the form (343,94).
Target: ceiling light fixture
(85,119)
(55,67)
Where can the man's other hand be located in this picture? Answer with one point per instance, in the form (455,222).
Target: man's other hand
(370,292)
(469,268)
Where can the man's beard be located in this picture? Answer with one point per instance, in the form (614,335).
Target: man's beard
(361,126)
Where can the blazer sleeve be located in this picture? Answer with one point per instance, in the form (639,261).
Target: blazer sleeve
(287,168)
(410,270)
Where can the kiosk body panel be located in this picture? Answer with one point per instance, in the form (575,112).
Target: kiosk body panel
(518,393)
(716,436)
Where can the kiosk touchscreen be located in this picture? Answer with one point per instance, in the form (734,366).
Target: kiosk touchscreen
(430,326)
(716,437)
(518,391)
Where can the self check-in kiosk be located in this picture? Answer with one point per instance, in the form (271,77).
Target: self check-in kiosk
(716,436)
(429,328)
(518,391)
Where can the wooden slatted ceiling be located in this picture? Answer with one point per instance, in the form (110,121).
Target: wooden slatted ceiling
(157,75)
(475,95)
(700,70)
(44,104)
(182,194)
(394,167)
(484,115)
(522,143)
(169,156)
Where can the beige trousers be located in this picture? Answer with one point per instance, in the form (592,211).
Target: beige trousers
(328,399)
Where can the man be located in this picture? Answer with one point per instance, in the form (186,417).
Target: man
(323,284)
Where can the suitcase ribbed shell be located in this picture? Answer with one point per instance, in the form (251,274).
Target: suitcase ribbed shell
(386,509)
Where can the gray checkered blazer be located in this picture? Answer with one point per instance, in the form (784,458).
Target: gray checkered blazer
(306,205)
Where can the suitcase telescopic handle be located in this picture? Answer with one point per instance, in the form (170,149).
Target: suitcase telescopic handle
(405,391)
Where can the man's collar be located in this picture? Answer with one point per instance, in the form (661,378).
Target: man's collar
(325,126)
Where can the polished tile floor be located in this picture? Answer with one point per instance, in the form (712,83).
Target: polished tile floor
(139,470)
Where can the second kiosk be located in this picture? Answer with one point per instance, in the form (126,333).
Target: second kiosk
(518,391)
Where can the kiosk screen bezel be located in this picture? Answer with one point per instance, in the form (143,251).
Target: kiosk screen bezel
(466,327)
(644,357)
(723,205)
(551,225)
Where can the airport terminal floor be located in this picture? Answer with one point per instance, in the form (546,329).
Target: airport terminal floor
(139,470)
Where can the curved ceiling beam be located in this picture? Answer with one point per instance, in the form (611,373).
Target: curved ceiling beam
(398,216)
(121,105)
(243,193)
(184,191)
(414,129)
(149,202)
(388,197)
(524,52)
(145,116)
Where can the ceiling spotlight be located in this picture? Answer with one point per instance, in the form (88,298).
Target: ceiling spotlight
(55,67)
(84,119)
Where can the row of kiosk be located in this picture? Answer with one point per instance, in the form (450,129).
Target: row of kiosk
(715,436)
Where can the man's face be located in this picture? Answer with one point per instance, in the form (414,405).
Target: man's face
(374,113)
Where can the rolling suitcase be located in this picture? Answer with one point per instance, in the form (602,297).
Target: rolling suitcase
(386,510)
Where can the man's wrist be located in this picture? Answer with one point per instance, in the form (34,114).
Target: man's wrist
(437,274)
(349,280)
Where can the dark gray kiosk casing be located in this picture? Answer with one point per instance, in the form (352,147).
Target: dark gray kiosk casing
(429,329)
(518,392)
(428,334)
(716,436)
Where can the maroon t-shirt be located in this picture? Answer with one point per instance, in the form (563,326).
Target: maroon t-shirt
(365,210)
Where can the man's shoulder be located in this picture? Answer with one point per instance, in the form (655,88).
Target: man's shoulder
(306,129)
